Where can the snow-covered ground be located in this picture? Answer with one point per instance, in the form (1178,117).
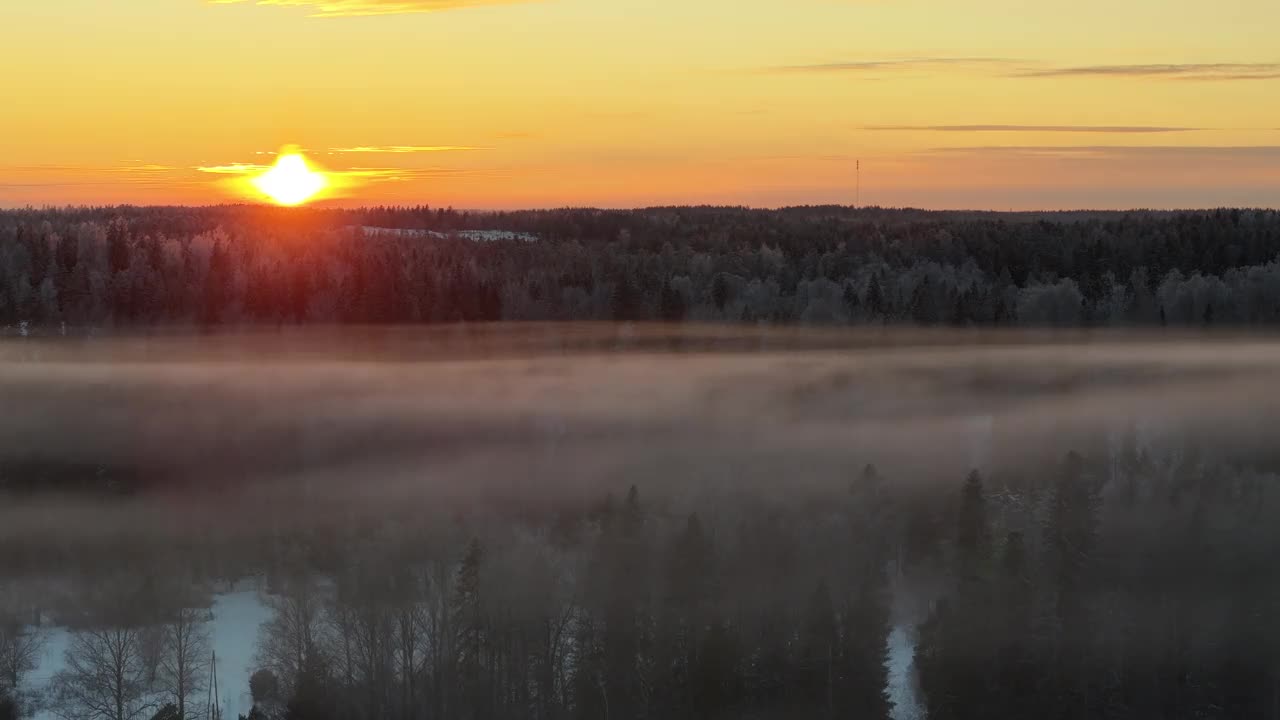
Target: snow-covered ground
(56,641)
(902,674)
(237,617)
(490,235)
(476,235)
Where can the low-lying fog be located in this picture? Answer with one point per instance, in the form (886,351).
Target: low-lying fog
(376,418)
(231,461)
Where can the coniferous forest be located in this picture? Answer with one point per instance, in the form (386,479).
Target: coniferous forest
(1133,583)
(132,267)
(719,516)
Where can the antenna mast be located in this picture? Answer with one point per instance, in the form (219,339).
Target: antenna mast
(214,707)
(857,196)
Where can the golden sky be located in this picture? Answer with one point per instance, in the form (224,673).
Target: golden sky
(1003,104)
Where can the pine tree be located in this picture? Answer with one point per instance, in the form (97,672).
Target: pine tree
(864,687)
(1016,677)
(625,301)
(39,257)
(720,292)
(627,610)
(1071,538)
(972,540)
(851,301)
(8,303)
(819,644)
(314,697)
(118,256)
(875,298)
(217,284)
(922,303)
(168,712)
(472,638)
(689,600)
(67,253)
(957,651)
(671,305)
(713,679)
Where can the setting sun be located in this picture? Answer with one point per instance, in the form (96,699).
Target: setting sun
(291,181)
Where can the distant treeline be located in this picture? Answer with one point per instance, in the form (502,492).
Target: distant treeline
(98,267)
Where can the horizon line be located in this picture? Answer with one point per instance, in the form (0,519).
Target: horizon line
(321,207)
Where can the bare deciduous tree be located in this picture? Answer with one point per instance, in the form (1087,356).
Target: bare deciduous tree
(185,659)
(20,648)
(294,632)
(105,676)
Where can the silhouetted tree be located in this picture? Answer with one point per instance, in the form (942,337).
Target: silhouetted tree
(264,687)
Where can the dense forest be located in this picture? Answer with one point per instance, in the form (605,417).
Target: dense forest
(1132,587)
(235,265)
(780,526)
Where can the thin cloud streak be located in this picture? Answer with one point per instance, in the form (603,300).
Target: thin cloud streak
(365,8)
(232,169)
(381,174)
(1257,153)
(1119,129)
(405,149)
(366,172)
(900,64)
(144,169)
(1014,68)
(135,176)
(1173,71)
(89,168)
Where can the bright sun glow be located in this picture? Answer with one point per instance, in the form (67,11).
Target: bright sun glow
(291,181)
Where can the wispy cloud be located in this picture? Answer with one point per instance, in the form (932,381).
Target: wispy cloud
(516,135)
(1119,129)
(52,184)
(1172,71)
(366,174)
(143,169)
(1260,153)
(232,169)
(385,174)
(404,149)
(132,168)
(1015,68)
(361,8)
(617,114)
(892,65)
(134,175)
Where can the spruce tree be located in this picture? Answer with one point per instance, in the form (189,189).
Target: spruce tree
(864,684)
(1016,676)
(472,639)
(118,258)
(956,652)
(875,298)
(972,540)
(671,305)
(1071,540)
(819,644)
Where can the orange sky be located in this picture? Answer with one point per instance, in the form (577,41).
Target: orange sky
(485,104)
